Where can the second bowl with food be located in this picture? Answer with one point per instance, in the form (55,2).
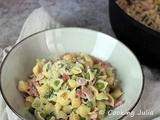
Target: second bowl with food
(136,24)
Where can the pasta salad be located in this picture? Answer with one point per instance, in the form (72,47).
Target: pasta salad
(146,12)
(71,87)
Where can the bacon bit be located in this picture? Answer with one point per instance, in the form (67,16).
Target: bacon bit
(33,88)
(119,103)
(82,81)
(95,60)
(39,77)
(65,76)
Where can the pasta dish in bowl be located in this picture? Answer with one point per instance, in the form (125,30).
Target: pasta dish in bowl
(71,86)
(71,74)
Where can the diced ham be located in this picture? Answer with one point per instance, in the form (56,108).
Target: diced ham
(119,103)
(81,60)
(104,64)
(35,84)
(39,77)
(79,94)
(65,76)
(33,88)
(87,92)
(95,60)
(82,81)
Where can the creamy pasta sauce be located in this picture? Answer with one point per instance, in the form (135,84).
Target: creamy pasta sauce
(71,87)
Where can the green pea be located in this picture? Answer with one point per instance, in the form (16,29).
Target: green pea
(100,85)
(89,104)
(87,76)
(57,82)
(97,70)
(48,93)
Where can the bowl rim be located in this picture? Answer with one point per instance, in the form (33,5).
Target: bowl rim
(135,22)
(78,28)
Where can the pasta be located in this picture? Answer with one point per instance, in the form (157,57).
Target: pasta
(71,87)
(146,12)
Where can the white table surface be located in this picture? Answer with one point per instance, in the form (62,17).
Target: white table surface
(91,14)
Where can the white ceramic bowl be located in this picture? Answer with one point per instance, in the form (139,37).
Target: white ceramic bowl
(21,59)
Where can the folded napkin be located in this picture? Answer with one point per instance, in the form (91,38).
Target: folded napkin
(38,20)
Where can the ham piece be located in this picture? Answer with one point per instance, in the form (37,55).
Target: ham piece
(85,92)
(33,88)
(39,77)
(119,103)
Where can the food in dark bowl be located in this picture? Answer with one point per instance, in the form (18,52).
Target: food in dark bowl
(143,40)
(146,12)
